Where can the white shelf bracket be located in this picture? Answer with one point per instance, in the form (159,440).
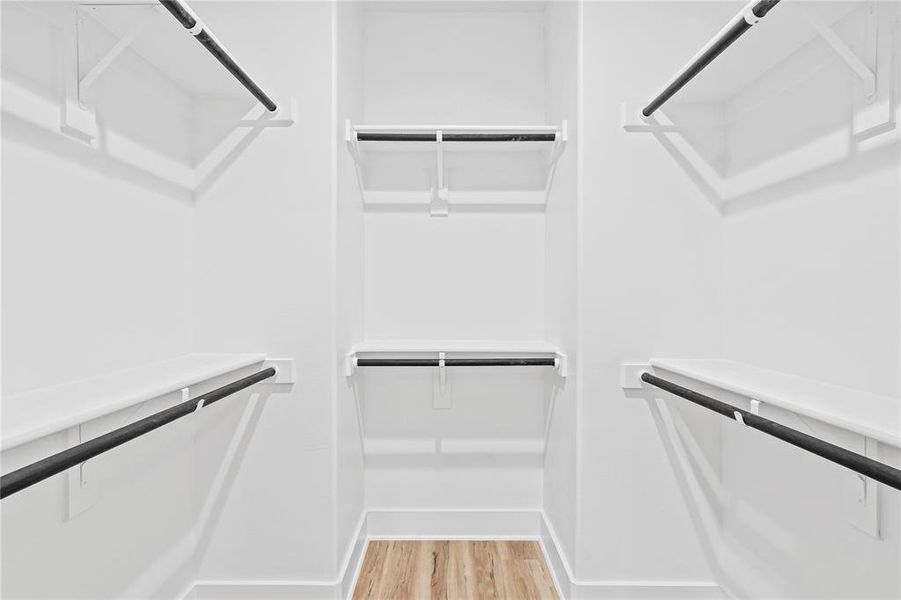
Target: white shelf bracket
(75,119)
(284,370)
(559,146)
(440,397)
(350,364)
(439,205)
(82,492)
(866,75)
(630,375)
(113,53)
(860,496)
(353,147)
(560,364)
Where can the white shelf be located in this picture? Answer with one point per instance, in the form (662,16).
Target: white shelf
(458,348)
(38,413)
(871,415)
(452,446)
(464,346)
(436,174)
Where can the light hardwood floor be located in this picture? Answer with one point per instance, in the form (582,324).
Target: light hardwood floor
(454,570)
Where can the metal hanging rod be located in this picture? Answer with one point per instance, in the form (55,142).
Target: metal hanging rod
(742,22)
(190,21)
(364,136)
(38,471)
(456,362)
(867,467)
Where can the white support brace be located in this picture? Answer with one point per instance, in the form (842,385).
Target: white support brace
(113,53)
(353,146)
(559,145)
(866,75)
(439,206)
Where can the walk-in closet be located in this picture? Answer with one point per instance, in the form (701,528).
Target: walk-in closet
(450,299)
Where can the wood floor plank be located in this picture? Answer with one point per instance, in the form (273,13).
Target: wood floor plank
(454,570)
(461,572)
(371,572)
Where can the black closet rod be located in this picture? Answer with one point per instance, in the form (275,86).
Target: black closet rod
(29,475)
(456,362)
(189,21)
(734,30)
(454,137)
(861,464)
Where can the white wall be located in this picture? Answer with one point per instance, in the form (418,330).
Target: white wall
(349,239)
(795,270)
(476,274)
(811,287)
(110,264)
(562,240)
(265,255)
(92,249)
(650,281)
(97,277)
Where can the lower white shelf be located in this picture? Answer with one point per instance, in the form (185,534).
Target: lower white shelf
(455,349)
(38,413)
(871,415)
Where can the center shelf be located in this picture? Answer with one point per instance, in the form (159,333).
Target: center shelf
(453,349)
(458,164)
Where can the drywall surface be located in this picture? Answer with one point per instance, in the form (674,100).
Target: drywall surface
(97,277)
(562,53)
(349,235)
(649,284)
(811,287)
(97,261)
(478,67)
(265,260)
(477,274)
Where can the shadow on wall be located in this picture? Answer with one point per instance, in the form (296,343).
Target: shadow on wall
(124,91)
(807,122)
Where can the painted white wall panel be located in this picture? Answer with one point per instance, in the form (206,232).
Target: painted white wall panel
(468,276)
(349,278)
(562,238)
(476,67)
(650,279)
(266,281)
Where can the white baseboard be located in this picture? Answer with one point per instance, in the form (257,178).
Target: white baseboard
(572,588)
(456,524)
(255,589)
(453,524)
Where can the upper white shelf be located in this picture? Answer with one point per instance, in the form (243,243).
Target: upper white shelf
(38,413)
(785,30)
(438,165)
(871,415)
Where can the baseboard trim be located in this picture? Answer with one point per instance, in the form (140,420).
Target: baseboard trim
(416,524)
(255,589)
(572,588)
(453,524)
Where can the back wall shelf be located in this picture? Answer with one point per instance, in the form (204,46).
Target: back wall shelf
(440,165)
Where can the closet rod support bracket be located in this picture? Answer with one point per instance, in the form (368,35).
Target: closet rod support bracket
(440,201)
(350,364)
(560,364)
